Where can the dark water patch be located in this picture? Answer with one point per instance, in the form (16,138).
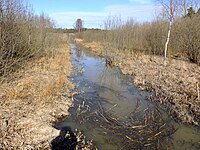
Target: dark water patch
(66,140)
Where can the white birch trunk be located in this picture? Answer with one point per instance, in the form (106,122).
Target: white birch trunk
(167,42)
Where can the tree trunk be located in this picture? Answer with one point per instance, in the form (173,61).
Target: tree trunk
(167,42)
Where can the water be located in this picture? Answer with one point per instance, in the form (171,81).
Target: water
(116,94)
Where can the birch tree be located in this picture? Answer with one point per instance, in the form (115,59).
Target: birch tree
(169,9)
(173,9)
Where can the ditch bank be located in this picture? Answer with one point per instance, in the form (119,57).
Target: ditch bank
(36,98)
(174,85)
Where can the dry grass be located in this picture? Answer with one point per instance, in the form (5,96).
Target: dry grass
(94,46)
(33,101)
(174,85)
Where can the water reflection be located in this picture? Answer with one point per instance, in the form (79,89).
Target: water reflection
(99,83)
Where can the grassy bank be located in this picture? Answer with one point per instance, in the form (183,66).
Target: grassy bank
(174,85)
(34,99)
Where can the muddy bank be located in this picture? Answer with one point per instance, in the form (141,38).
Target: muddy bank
(31,103)
(174,85)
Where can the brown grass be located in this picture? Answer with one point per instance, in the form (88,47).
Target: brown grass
(94,46)
(36,98)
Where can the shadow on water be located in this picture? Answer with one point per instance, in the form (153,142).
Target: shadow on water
(114,113)
(66,140)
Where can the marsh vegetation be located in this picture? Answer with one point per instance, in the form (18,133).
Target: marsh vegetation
(35,93)
(34,66)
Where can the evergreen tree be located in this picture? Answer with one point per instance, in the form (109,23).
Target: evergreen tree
(191,12)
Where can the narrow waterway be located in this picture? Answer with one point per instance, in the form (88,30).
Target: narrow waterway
(104,87)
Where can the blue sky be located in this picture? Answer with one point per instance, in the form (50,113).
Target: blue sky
(95,12)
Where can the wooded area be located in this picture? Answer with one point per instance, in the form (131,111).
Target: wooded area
(23,35)
(181,18)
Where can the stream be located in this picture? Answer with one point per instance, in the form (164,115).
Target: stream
(103,87)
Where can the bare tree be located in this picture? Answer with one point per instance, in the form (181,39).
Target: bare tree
(172,9)
(23,35)
(169,9)
(79,25)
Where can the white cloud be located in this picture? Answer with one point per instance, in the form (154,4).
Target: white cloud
(96,19)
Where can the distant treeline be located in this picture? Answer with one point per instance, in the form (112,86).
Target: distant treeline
(150,37)
(73,30)
(23,35)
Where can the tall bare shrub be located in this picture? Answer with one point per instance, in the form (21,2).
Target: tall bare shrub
(187,38)
(23,35)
